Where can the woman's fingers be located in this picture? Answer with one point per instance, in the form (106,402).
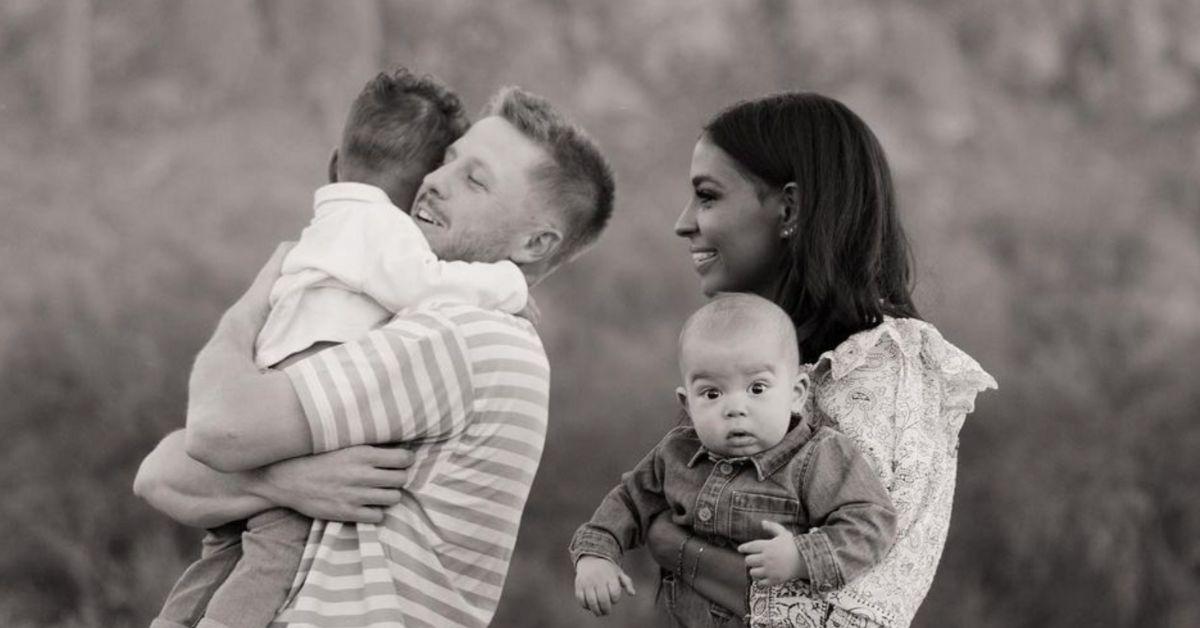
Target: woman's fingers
(365,514)
(383,478)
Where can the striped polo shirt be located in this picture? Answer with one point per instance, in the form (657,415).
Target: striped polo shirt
(467,390)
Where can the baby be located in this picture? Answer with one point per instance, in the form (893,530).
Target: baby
(748,472)
(361,260)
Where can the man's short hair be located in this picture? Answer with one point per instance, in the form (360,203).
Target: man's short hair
(400,120)
(576,181)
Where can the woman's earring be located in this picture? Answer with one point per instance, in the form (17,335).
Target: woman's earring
(787,233)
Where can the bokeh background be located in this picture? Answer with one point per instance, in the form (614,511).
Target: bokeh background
(1047,154)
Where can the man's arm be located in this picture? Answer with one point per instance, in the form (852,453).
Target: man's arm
(409,380)
(353,484)
(240,417)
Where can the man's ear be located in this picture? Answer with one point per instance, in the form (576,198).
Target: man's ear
(681,394)
(333,163)
(538,246)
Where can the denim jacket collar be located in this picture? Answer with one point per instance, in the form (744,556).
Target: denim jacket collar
(768,461)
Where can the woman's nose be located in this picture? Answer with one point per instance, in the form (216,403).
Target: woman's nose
(685,225)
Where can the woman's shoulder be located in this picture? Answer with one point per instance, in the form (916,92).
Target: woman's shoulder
(909,342)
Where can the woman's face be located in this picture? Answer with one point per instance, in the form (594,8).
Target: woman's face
(734,235)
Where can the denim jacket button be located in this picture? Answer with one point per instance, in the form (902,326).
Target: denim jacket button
(704,514)
(724,468)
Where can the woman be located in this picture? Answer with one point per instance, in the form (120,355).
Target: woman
(793,200)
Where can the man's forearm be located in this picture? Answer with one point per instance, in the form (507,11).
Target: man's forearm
(194,494)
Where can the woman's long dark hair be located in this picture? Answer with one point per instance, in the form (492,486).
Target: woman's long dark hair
(848,264)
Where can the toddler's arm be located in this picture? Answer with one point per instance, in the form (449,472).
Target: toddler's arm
(856,515)
(378,250)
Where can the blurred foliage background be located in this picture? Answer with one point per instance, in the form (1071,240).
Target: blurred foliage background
(1047,154)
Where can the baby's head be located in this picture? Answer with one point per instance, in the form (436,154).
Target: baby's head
(397,131)
(742,380)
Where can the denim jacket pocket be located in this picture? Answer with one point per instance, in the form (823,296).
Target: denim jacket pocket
(750,509)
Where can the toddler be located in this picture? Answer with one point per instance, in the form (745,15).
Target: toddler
(749,472)
(359,261)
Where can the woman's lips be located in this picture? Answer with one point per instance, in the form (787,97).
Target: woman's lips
(702,258)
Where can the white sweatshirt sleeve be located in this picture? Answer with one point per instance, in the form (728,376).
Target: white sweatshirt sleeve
(378,250)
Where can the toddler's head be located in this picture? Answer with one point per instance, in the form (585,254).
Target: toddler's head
(742,380)
(397,131)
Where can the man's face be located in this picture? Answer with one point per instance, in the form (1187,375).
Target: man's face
(478,204)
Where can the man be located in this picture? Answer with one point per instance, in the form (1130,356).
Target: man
(467,388)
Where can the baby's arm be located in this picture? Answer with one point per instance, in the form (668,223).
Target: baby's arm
(857,522)
(619,524)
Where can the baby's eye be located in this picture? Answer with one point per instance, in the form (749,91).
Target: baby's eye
(710,393)
(758,388)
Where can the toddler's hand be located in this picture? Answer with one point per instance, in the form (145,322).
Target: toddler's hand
(598,584)
(775,560)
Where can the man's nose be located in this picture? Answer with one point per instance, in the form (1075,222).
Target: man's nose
(435,183)
(685,225)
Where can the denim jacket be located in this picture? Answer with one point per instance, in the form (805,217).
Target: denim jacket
(814,482)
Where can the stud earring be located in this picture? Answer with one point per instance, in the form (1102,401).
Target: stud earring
(787,233)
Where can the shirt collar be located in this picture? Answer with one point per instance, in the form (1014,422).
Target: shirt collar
(769,461)
(350,191)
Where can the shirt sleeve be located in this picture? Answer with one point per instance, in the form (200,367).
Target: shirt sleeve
(857,521)
(379,251)
(621,520)
(408,381)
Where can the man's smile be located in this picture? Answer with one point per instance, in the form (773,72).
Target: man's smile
(424,212)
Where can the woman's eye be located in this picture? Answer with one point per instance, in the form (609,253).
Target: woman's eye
(706,197)
(758,388)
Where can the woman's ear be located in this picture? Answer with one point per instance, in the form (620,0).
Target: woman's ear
(789,211)
(538,246)
(333,163)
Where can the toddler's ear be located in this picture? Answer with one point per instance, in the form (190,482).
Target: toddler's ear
(681,395)
(333,163)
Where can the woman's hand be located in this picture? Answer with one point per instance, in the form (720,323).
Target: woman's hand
(355,484)
(663,539)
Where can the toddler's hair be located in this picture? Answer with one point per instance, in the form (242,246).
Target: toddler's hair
(401,121)
(734,313)
(577,181)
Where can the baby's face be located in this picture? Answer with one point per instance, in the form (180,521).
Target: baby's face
(739,392)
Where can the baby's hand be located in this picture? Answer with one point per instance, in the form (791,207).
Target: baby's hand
(775,560)
(598,584)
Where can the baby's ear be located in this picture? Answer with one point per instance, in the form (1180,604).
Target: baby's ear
(800,389)
(681,395)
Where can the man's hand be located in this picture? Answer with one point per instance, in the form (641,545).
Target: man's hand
(598,584)
(775,560)
(356,484)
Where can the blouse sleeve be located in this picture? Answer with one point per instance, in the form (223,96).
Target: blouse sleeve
(901,393)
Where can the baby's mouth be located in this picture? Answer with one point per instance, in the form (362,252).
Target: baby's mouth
(739,436)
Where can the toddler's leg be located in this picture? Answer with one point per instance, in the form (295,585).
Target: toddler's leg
(187,600)
(272,547)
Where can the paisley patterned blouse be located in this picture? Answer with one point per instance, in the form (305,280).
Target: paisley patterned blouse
(900,392)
